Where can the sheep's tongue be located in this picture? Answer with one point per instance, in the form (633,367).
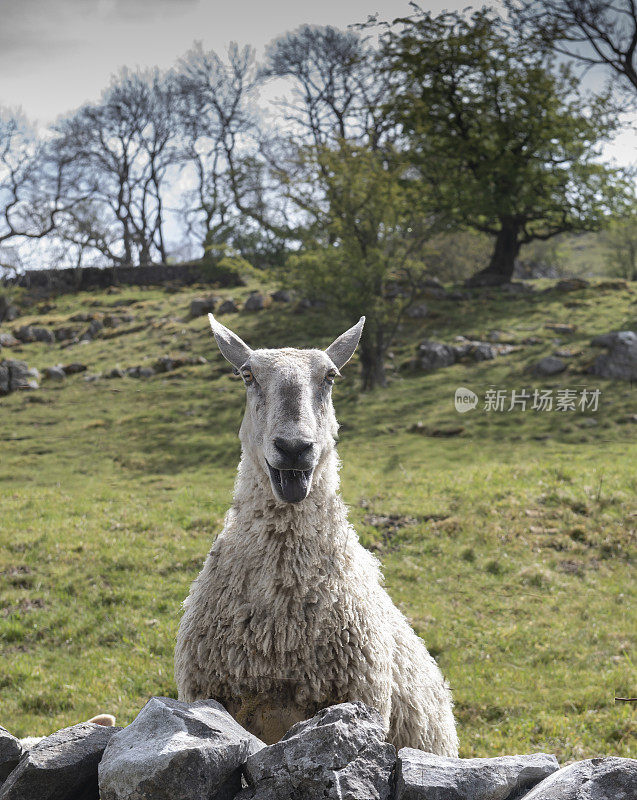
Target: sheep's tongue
(294,484)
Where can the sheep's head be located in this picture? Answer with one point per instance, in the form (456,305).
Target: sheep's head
(289,424)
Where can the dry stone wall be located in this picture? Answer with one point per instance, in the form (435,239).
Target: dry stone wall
(197,751)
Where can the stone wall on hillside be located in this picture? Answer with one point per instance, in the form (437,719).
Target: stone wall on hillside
(72,280)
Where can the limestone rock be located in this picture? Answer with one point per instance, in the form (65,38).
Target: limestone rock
(255,302)
(550,365)
(95,327)
(8,311)
(596,779)
(65,334)
(200,306)
(34,333)
(8,340)
(339,753)
(62,765)
(177,751)
(433,355)
(11,750)
(620,362)
(16,375)
(55,373)
(74,368)
(228,307)
(484,352)
(425,776)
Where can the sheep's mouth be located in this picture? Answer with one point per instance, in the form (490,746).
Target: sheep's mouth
(291,485)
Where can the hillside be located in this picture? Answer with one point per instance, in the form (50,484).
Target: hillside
(508,538)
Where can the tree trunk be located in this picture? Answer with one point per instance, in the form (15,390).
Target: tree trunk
(372,354)
(502,264)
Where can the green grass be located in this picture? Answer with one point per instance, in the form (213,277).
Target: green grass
(515,561)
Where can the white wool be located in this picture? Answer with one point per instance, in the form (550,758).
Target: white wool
(288,614)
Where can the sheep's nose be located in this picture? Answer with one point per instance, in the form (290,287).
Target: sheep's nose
(293,450)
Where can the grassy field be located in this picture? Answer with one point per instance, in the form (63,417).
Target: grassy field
(508,538)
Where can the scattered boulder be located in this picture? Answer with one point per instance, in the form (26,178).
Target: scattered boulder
(165,364)
(55,373)
(483,351)
(282,296)
(228,307)
(200,306)
(169,363)
(82,317)
(434,355)
(339,753)
(34,333)
(74,368)
(16,375)
(255,302)
(595,779)
(65,334)
(480,351)
(620,362)
(177,751)
(550,365)
(431,777)
(140,372)
(11,751)
(564,352)
(604,339)
(116,372)
(62,765)
(95,327)
(8,311)
(572,285)
(8,340)
(419,311)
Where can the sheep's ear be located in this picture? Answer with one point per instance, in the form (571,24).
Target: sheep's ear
(232,347)
(342,349)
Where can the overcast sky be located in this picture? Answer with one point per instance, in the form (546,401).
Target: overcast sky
(57,54)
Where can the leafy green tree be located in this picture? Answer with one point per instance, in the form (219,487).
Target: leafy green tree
(620,244)
(361,250)
(499,131)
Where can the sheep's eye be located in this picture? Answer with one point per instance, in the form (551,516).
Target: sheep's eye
(331,374)
(247,376)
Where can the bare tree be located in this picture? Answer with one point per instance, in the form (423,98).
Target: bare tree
(122,151)
(337,90)
(30,189)
(594,32)
(217,122)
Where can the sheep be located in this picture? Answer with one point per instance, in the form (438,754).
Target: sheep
(288,614)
